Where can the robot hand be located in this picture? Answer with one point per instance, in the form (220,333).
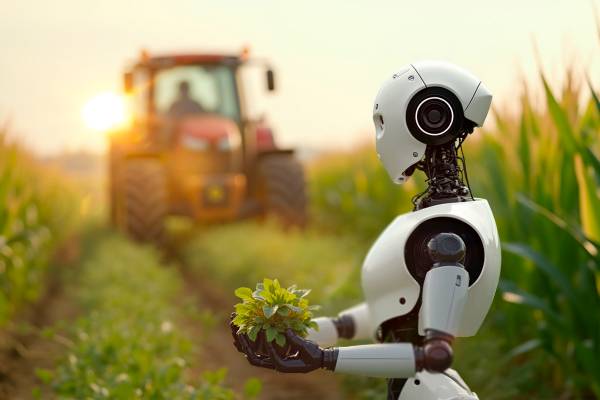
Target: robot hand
(305,356)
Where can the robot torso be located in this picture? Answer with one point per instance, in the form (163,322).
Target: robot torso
(395,267)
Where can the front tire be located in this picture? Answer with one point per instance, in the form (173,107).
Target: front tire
(283,188)
(143,199)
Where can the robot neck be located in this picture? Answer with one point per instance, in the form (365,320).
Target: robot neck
(444,178)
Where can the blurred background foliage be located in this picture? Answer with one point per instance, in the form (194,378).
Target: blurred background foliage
(38,209)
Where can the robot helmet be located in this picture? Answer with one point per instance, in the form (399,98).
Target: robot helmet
(428,103)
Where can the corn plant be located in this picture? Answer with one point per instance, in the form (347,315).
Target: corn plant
(559,267)
(36,210)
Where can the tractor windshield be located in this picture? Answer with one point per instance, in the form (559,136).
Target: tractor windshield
(195,89)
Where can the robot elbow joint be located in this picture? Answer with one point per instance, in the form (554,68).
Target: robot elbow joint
(345,326)
(436,355)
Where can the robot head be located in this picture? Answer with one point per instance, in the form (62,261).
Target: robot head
(428,103)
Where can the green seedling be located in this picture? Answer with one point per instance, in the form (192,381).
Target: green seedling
(273,309)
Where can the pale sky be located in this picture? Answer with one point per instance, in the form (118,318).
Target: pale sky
(331,56)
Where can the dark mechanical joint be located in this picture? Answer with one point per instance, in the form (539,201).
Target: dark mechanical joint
(446,249)
(330,357)
(344,324)
(436,354)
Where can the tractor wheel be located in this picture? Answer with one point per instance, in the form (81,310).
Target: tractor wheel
(143,200)
(283,189)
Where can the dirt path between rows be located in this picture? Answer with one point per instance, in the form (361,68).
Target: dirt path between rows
(217,350)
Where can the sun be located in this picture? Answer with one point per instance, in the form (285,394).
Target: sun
(105,111)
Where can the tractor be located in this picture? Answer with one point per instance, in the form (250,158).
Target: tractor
(192,149)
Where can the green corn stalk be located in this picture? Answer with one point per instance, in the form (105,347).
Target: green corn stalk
(35,210)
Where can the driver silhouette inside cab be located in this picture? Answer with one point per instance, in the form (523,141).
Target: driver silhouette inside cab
(184,105)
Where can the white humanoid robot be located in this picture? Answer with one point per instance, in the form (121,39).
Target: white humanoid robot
(432,274)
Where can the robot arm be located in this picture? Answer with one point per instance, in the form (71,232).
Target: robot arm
(444,298)
(352,323)
(385,360)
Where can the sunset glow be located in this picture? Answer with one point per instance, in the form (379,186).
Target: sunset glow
(104,112)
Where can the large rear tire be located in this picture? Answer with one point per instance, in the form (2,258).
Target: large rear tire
(283,188)
(143,199)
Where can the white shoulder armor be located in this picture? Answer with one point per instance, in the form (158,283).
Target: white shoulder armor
(395,267)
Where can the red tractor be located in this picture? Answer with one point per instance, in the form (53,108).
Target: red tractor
(192,148)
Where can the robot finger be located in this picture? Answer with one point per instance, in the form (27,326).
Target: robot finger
(244,344)
(309,351)
(294,339)
(258,361)
(236,337)
(251,356)
(289,365)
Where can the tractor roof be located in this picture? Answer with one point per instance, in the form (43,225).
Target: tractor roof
(168,60)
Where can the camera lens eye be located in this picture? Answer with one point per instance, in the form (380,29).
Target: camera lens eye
(434,116)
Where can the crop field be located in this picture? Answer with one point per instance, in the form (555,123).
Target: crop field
(87,313)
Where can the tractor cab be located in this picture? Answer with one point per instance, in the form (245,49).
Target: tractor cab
(165,91)
(190,119)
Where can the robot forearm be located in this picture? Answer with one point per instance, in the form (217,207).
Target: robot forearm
(352,323)
(386,360)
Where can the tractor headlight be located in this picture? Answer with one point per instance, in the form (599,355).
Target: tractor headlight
(194,143)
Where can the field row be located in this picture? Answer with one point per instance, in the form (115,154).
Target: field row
(129,341)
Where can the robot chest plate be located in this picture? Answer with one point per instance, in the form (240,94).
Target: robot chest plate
(395,267)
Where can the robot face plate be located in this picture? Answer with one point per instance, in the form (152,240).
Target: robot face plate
(396,147)
(393,267)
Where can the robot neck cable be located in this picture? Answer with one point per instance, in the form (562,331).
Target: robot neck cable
(445,182)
